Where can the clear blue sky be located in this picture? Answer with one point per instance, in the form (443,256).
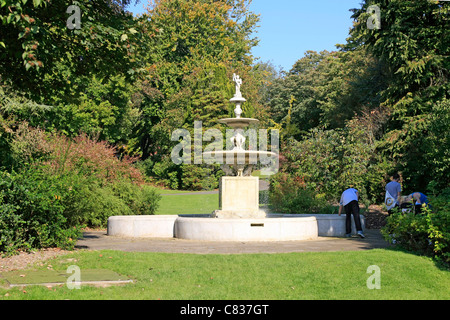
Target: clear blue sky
(288,28)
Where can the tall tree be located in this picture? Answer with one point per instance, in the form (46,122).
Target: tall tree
(196,47)
(413,43)
(326,89)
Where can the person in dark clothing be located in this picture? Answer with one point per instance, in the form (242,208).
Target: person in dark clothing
(349,202)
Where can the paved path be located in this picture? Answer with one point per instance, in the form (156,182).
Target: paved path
(100,241)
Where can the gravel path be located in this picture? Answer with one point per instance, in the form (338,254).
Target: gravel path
(24,260)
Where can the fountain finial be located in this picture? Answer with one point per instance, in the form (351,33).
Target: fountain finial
(238,81)
(237,99)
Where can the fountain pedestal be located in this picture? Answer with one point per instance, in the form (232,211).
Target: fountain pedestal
(239,199)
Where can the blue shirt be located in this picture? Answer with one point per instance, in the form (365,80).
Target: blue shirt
(348,196)
(423,198)
(394,188)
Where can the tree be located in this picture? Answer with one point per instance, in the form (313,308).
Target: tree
(86,74)
(413,45)
(196,47)
(326,89)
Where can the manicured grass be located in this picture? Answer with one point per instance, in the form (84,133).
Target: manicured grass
(188,204)
(296,276)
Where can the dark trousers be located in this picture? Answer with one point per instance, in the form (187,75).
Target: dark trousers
(391,212)
(352,209)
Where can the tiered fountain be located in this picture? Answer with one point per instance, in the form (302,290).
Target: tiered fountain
(239,217)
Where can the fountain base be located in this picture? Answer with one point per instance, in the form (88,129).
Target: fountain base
(255,230)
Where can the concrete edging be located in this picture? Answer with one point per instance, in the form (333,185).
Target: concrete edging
(278,227)
(329,225)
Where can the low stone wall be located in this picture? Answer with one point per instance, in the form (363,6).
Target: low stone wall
(329,225)
(142,226)
(282,229)
(279,227)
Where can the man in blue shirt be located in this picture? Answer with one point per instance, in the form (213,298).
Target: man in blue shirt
(393,193)
(420,200)
(349,202)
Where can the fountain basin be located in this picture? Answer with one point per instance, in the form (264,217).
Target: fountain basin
(329,225)
(238,123)
(279,229)
(141,226)
(203,228)
(184,227)
(239,156)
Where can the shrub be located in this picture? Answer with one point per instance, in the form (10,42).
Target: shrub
(288,194)
(141,199)
(82,155)
(197,178)
(62,184)
(427,233)
(32,212)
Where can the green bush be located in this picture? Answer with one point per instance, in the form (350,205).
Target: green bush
(32,213)
(91,204)
(61,184)
(288,194)
(141,199)
(427,233)
(197,178)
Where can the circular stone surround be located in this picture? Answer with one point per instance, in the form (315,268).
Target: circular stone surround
(141,226)
(211,229)
(277,229)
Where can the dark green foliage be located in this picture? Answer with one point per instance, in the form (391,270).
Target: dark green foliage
(378,105)
(290,194)
(412,44)
(426,233)
(32,212)
(199,178)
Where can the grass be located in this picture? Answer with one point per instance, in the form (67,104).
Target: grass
(295,276)
(188,204)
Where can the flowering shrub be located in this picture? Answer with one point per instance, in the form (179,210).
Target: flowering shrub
(61,184)
(82,155)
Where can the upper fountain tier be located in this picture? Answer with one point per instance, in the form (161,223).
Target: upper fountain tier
(239,156)
(238,123)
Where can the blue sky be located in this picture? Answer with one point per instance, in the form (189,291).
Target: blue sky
(288,28)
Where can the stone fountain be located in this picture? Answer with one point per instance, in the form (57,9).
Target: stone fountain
(239,195)
(239,217)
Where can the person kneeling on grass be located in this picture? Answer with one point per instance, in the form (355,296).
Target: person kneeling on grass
(349,202)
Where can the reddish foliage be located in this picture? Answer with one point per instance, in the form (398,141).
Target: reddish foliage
(91,158)
(83,155)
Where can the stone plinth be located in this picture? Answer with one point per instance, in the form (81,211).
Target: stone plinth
(239,199)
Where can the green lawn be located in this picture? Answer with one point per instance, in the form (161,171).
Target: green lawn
(192,203)
(185,202)
(331,275)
